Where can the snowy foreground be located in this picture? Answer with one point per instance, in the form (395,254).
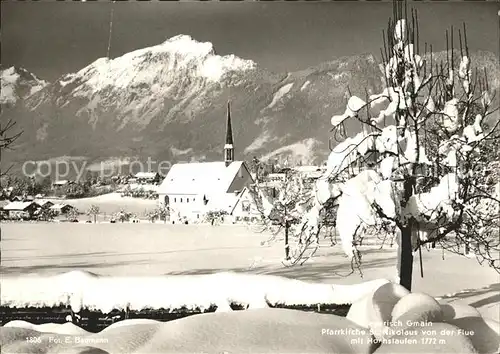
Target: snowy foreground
(80,289)
(384,318)
(149,251)
(146,250)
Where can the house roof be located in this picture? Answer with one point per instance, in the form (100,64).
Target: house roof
(226,201)
(59,206)
(310,171)
(61,182)
(14,206)
(200,178)
(42,202)
(146,174)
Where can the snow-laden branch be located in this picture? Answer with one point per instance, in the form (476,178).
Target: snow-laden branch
(423,179)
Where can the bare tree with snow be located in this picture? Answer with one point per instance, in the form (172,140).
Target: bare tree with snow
(281,203)
(424,136)
(8,136)
(93,211)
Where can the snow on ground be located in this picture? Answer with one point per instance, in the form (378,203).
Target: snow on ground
(250,331)
(67,328)
(137,250)
(271,331)
(159,249)
(88,290)
(111,203)
(415,322)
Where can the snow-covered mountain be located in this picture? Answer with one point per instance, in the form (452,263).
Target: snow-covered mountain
(18,83)
(168,102)
(137,84)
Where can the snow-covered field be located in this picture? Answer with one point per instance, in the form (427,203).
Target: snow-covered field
(111,203)
(164,249)
(158,249)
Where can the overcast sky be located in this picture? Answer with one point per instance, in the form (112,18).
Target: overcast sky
(54,38)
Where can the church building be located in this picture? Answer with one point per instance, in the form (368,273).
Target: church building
(190,190)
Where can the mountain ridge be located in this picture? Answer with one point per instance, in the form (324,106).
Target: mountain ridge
(168,103)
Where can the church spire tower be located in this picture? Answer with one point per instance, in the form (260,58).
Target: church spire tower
(228,147)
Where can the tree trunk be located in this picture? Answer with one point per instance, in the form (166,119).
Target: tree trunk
(467,246)
(287,246)
(406,265)
(406,262)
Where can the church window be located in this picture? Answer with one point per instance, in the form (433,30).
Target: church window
(245,206)
(181,200)
(187,201)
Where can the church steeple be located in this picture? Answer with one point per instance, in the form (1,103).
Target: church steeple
(228,147)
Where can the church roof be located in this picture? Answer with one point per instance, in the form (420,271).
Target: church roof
(229,129)
(200,178)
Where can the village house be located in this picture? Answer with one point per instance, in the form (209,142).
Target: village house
(245,208)
(61,209)
(191,190)
(21,210)
(45,204)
